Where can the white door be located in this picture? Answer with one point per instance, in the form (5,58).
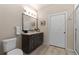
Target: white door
(77,31)
(57,32)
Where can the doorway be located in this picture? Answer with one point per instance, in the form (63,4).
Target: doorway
(57,29)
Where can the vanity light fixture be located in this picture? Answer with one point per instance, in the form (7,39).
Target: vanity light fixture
(30,12)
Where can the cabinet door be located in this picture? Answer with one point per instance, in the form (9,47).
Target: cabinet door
(40,38)
(25,43)
(31,43)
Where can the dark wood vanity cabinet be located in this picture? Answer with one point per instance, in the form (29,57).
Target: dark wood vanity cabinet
(31,42)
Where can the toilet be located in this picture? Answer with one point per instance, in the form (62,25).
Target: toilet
(9,47)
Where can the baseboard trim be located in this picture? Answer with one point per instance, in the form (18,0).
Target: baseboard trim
(72,50)
(69,49)
(76,52)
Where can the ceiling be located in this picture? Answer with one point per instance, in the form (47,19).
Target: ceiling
(38,6)
(41,6)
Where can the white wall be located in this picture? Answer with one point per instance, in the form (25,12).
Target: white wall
(10,16)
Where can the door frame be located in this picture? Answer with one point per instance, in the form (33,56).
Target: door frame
(75,28)
(64,12)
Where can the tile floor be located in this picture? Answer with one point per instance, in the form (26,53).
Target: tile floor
(51,50)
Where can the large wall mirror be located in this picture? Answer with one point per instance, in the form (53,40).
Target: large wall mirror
(28,23)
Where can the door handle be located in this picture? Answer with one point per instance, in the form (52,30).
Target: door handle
(75,34)
(76,29)
(64,32)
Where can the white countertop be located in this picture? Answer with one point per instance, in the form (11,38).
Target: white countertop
(30,33)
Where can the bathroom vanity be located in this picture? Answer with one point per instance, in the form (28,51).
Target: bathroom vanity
(30,41)
(33,39)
